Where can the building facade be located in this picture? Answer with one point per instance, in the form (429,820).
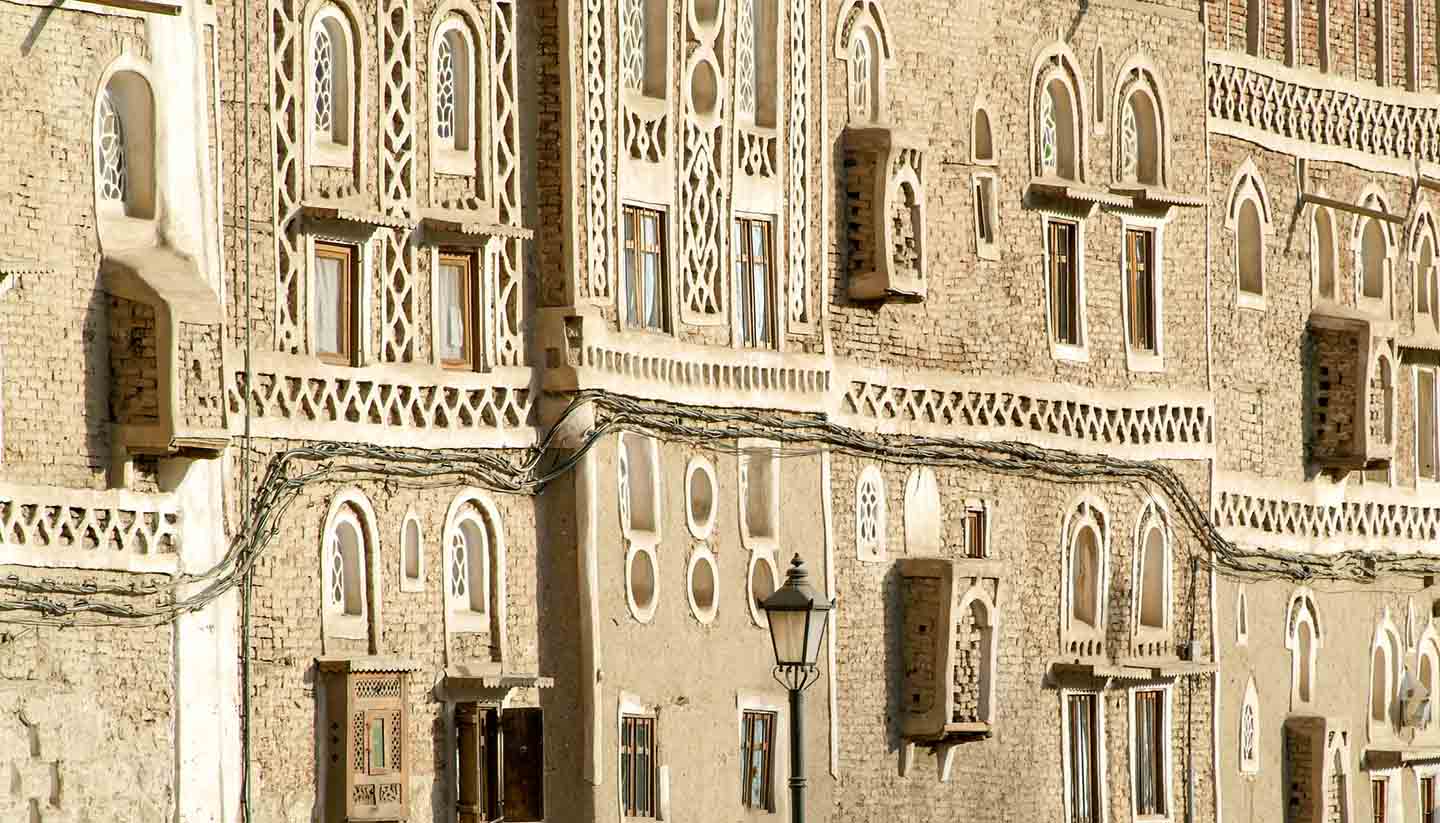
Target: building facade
(429,393)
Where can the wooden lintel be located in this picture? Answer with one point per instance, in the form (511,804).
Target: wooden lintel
(1330,202)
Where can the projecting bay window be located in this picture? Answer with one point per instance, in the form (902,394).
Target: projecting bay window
(1151,735)
(638,783)
(647,289)
(755,278)
(1140,292)
(1063,264)
(757,761)
(1082,758)
(499,764)
(456,332)
(1426,456)
(336,313)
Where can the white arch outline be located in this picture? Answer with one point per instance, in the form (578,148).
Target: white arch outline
(490,519)
(347,626)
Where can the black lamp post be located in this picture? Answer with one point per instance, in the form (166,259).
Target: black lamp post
(797,627)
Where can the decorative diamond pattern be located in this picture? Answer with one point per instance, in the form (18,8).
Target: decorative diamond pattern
(111,151)
(397,98)
(286,127)
(510,271)
(798,199)
(444,90)
(598,154)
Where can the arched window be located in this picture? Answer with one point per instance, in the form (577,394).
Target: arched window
(756,62)
(1248,217)
(1323,258)
(474,568)
(332,88)
(976,660)
(1422,256)
(1140,140)
(982,146)
(124,139)
(1057,131)
(862,41)
(1429,667)
(347,554)
(1303,639)
(983,184)
(1385,666)
(1372,261)
(1086,550)
(1250,730)
(870,517)
(456,77)
(644,47)
(412,555)
(1382,388)
(1242,618)
(1154,582)
(1100,84)
(639,487)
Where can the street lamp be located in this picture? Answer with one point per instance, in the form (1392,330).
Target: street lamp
(797,626)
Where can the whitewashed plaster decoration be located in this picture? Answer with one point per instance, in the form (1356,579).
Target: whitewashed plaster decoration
(1086,537)
(746,80)
(702,584)
(510,273)
(1250,730)
(110,152)
(923,514)
(287,129)
(701,211)
(701,498)
(412,554)
(1142,145)
(862,42)
(397,279)
(870,527)
(598,154)
(798,139)
(398,101)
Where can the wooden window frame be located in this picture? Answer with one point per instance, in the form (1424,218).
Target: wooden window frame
(750,720)
(1380,799)
(631,777)
(1063,278)
(1432,375)
(470,305)
(1151,766)
(1427,798)
(749,335)
(382,716)
(1142,322)
(349,315)
(977,519)
(477,763)
(1094,785)
(633,248)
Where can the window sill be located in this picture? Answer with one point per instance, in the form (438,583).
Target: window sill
(987,251)
(453,161)
(330,154)
(347,626)
(1071,353)
(1144,362)
(1246,300)
(467,622)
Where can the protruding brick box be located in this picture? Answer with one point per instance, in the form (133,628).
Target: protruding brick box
(1352,390)
(885,177)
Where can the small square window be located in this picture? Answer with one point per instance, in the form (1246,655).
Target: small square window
(647,281)
(1064,265)
(976,532)
(757,761)
(638,784)
(1140,286)
(336,313)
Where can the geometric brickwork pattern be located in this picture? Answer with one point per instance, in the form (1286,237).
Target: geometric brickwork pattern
(397,101)
(1324,116)
(798,196)
(397,291)
(595,282)
(510,273)
(1317,522)
(286,135)
(1009,411)
(320,396)
(702,236)
(98,524)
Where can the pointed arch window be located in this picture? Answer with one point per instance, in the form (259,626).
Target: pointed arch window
(862,41)
(1141,141)
(1250,730)
(1303,639)
(124,140)
(1427,295)
(347,554)
(1086,579)
(1248,217)
(1385,668)
(332,87)
(984,183)
(1323,257)
(1154,578)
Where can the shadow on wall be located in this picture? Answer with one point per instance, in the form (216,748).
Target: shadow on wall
(99,376)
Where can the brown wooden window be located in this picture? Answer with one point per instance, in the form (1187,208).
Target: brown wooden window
(1426,457)
(336,310)
(1151,731)
(755,274)
(1084,755)
(757,760)
(1427,800)
(647,290)
(1140,288)
(638,793)
(975,535)
(523,731)
(500,763)
(1064,282)
(984,211)
(456,332)
(1379,799)
(476,763)
(378,742)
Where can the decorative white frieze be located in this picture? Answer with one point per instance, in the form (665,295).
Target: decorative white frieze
(510,273)
(798,136)
(287,130)
(398,134)
(598,155)
(80,528)
(419,406)
(1324,517)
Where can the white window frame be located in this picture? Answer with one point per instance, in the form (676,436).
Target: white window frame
(1167,744)
(1421,230)
(924,514)
(751,451)
(701,529)
(328,151)
(649,450)
(775,308)
(988,671)
(1066,351)
(764,558)
(1248,185)
(631,705)
(1085,513)
(1387,640)
(407,584)
(1135,359)
(701,555)
(1102,802)
(1153,517)
(986,250)
(865,19)
(351,507)
(877,549)
(1317,253)
(445,158)
(1384,306)
(472,506)
(1303,599)
(1395,811)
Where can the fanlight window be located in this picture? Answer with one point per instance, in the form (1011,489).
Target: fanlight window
(1140,143)
(982,147)
(863,43)
(469,566)
(454,89)
(124,151)
(332,80)
(1384,680)
(1425,281)
(1251,250)
(345,566)
(644,33)
(756,85)
(862,77)
(1302,638)
(1056,130)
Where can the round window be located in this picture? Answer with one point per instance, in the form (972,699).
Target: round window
(702,580)
(762,585)
(640,583)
